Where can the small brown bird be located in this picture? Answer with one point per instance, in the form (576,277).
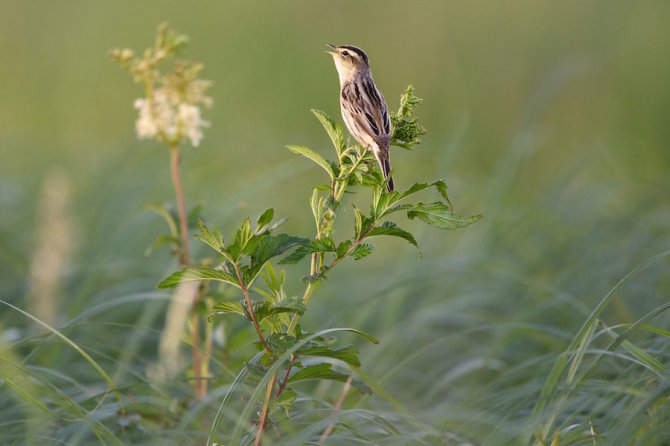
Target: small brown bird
(363,107)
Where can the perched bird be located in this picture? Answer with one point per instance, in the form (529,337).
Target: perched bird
(363,107)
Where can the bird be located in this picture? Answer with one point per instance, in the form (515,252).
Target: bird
(364,109)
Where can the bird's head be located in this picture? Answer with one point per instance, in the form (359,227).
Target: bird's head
(349,61)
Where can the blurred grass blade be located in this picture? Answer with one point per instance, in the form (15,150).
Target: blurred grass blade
(575,350)
(76,348)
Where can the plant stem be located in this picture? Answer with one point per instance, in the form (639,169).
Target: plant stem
(184,256)
(353,245)
(264,412)
(282,384)
(247,298)
(336,410)
(184,260)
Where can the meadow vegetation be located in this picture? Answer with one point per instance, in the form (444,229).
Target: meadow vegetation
(544,323)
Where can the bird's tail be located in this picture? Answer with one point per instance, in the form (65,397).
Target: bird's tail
(386,169)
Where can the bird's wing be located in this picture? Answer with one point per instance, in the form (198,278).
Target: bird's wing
(367,109)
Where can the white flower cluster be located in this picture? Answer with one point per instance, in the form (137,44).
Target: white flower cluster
(167,117)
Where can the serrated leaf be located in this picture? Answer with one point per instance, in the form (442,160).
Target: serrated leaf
(322,245)
(346,354)
(280,342)
(227,307)
(342,249)
(271,280)
(333,129)
(286,400)
(212,238)
(312,155)
(243,236)
(269,246)
(198,274)
(290,305)
(390,228)
(325,371)
(416,187)
(389,203)
(265,218)
(439,215)
(362,250)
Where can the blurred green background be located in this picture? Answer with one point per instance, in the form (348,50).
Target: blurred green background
(550,118)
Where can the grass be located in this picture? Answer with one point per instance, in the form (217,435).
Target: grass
(545,322)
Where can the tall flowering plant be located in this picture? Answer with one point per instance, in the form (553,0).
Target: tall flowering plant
(170,112)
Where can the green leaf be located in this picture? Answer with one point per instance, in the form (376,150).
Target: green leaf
(346,354)
(265,247)
(161,241)
(271,280)
(439,215)
(286,400)
(386,204)
(323,245)
(280,342)
(358,222)
(242,237)
(416,187)
(317,203)
(289,305)
(213,238)
(227,307)
(169,218)
(333,129)
(194,215)
(265,218)
(342,249)
(362,250)
(325,371)
(312,155)
(198,274)
(390,228)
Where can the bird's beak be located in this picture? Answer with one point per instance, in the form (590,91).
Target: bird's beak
(333,47)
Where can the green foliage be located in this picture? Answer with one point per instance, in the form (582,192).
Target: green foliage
(470,335)
(406,128)
(195,274)
(439,215)
(324,371)
(390,228)
(312,155)
(333,129)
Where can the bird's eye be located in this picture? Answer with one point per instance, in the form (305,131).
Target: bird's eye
(345,53)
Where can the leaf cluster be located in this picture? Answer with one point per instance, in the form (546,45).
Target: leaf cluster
(247,254)
(407,130)
(253,247)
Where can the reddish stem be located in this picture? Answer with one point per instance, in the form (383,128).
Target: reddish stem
(184,260)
